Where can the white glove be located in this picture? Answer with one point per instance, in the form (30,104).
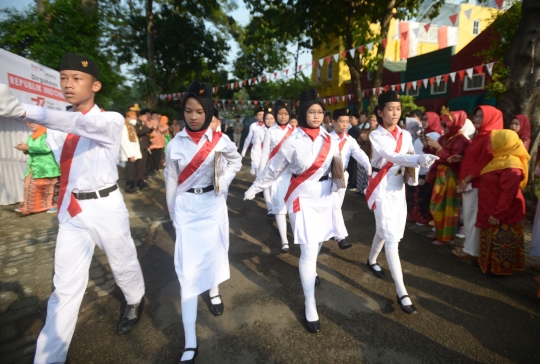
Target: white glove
(426,160)
(253,171)
(249,194)
(243,154)
(9,104)
(223,186)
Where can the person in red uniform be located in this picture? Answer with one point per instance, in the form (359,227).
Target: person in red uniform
(501,206)
(522,126)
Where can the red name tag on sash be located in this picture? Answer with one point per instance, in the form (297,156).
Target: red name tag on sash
(295,182)
(199,157)
(374,181)
(66,158)
(276,149)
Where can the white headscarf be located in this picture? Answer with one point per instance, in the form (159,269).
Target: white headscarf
(468,129)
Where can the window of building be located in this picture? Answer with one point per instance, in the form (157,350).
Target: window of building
(413,91)
(476,27)
(475,83)
(329,70)
(431,36)
(438,89)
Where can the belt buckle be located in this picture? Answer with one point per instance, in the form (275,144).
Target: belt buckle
(198,191)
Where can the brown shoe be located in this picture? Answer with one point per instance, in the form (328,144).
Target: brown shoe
(461,254)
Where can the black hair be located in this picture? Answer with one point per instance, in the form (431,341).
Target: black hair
(416,113)
(155,112)
(365,114)
(144,111)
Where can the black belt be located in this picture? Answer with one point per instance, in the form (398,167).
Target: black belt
(93,195)
(323,178)
(201,190)
(373,169)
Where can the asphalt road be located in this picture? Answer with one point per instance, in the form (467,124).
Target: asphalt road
(463,317)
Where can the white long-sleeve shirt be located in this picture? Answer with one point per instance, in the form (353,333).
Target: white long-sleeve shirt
(384,146)
(103,129)
(256,150)
(272,138)
(352,149)
(252,129)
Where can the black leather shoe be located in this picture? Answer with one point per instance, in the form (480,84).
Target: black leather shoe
(285,248)
(344,244)
(269,214)
(380,273)
(131,317)
(317,281)
(314,326)
(411,310)
(192,360)
(217,309)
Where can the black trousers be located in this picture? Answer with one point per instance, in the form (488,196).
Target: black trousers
(157,155)
(141,167)
(150,167)
(131,173)
(352,168)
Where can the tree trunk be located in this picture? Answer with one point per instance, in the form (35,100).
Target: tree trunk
(522,94)
(385,25)
(151,80)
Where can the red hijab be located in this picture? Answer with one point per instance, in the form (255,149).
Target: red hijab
(524,130)
(458,120)
(434,123)
(493,119)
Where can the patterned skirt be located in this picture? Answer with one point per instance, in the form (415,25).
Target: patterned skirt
(501,249)
(444,204)
(362,179)
(418,199)
(40,194)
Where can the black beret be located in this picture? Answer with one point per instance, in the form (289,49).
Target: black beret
(259,109)
(309,95)
(237,116)
(356,114)
(340,112)
(201,90)
(388,96)
(280,104)
(74,62)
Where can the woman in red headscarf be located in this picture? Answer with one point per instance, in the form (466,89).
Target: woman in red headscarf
(443,176)
(419,197)
(477,156)
(522,126)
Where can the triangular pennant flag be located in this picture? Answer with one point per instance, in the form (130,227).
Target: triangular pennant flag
(468,13)
(445,78)
(342,98)
(275,75)
(299,68)
(381,89)
(349,96)
(313,64)
(374,91)
(438,79)
(403,86)
(228,86)
(409,85)
(236,102)
(344,54)
(367,93)
(328,60)
(249,102)
(264,78)
(426,27)
(398,87)
(393,87)
(404,35)
(336,57)
(461,74)
(469,72)
(259,79)
(287,71)
(370,46)
(229,101)
(245,82)
(489,67)
(418,84)
(415,31)
(321,62)
(384,42)
(213,89)
(255,102)
(453,76)
(223,102)
(361,50)
(352,51)
(499,3)
(324,101)
(479,69)
(249,81)
(453,18)
(236,85)
(254,80)
(425,80)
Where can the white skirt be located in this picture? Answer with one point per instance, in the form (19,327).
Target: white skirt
(314,223)
(201,251)
(391,211)
(278,190)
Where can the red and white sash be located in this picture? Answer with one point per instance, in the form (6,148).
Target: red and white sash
(313,173)
(276,148)
(374,182)
(200,161)
(342,143)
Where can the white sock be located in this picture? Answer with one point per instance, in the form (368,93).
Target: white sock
(308,272)
(281,222)
(189,319)
(214,291)
(267,199)
(392,256)
(376,247)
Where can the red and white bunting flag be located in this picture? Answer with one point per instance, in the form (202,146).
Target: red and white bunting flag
(438,79)
(361,50)
(499,3)
(409,85)
(328,60)
(374,91)
(236,85)
(418,84)
(352,51)
(445,78)
(249,81)
(367,93)
(245,82)
(259,79)
(384,42)
(287,71)
(264,78)
(321,62)
(169,97)
(453,18)
(275,75)
(255,102)
(461,74)
(426,27)
(313,64)
(228,86)
(393,87)
(468,13)
(342,98)
(344,54)
(425,80)
(453,76)
(229,101)
(223,101)
(479,69)
(249,102)
(403,86)
(489,67)
(336,57)
(299,68)
(236,102)
(381,89)
(469,72)
(370,46)
(349,96)
(213,89)
(324,101)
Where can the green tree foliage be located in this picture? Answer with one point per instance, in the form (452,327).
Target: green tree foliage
(63,26)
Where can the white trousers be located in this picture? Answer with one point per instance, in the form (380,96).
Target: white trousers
(339,223)
(103,222)
(472,233)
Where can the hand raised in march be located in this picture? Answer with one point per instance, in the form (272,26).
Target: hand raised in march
(9,104)
(249,194)
(426,160)
(253,171)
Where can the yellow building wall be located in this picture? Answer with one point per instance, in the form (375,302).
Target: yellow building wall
(465,26)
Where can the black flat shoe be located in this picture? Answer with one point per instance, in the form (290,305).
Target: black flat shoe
(314,326)
(378,273)
(317,281)
(344,244)
(131,317)
(411,310)
(270,215)
(217,309)
(285,248)
(192,360)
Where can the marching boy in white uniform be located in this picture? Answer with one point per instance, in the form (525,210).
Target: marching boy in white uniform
(91,209)
(348,147)
(392,150)
(308,154)
(196,198)
(273,141)
(253,128)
